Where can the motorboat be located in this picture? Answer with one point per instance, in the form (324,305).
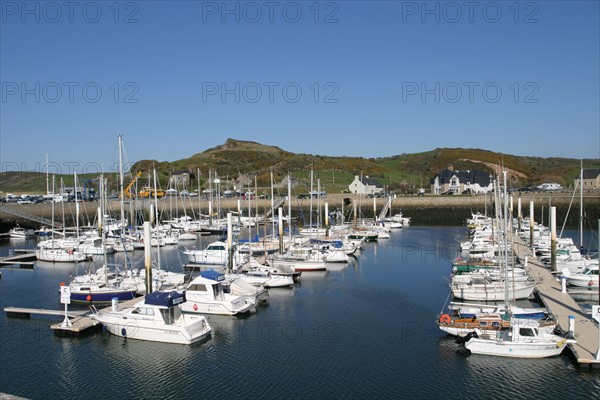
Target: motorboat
(158,318)
(206,295)
(20,233)
(587,279)
(216,253)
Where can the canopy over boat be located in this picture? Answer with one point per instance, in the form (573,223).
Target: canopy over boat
(164,299)
(213,275)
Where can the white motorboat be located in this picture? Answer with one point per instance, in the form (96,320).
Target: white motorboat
(587,279)
(215,254)
(158,319)
(20,233)
(205,295)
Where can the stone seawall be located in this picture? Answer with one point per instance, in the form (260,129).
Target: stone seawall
(442,210)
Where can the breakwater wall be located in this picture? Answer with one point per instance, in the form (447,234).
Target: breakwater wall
(430,210)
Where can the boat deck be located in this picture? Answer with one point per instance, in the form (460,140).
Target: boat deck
(561,306)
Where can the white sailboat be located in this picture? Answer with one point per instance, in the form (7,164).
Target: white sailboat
(524,339)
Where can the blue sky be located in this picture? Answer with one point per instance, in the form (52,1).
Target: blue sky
(352,78)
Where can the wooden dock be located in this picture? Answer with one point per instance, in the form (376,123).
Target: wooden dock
(79,326)
(81,321)
(25,259)
(20,312)
(561,306)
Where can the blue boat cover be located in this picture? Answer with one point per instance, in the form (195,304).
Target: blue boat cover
(165,299)
(337,244)
(212,274)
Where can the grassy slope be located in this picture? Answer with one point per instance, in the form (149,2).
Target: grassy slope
(335,173)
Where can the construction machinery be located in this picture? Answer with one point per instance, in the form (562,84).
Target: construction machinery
(148,192)
(128,192)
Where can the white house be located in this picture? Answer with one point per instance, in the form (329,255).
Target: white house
(458,181)
(365,186)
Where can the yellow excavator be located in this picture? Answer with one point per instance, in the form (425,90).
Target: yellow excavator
(127,190)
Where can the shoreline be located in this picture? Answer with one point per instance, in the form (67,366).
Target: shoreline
(441,210)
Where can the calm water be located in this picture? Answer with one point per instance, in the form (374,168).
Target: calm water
(365,331)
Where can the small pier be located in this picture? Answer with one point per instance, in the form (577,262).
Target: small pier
(561,306)
(79,326)
(20,312)
(81,321)
(23,258)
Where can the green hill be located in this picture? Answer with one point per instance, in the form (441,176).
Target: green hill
(403,173)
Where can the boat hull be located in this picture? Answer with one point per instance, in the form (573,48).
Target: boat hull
(102,297)
(515,349)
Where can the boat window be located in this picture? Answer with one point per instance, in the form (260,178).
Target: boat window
(168,316)
(143,311)
(198,288)
(496,324)
(526,332)
(482,323)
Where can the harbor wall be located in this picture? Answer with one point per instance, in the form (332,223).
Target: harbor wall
(429,210)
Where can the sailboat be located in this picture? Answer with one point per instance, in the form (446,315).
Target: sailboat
(54,250)
(103,285)
(524,339)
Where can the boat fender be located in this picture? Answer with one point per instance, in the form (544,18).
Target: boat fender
(70,251)
(123,331)
(445,319)
(591,282)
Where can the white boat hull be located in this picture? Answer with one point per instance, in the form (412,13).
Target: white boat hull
(515,349)
(490,292)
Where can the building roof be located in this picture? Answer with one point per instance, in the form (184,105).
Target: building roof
(591,173)
(471,176)
(371,182)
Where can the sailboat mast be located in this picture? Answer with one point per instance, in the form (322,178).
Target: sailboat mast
(47,181)
(53,202)
(504,232)
(581,205)
(76,202)
(156,223)
(311,200)
(272,206)
(104,261)
(289,199)
(121,185)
